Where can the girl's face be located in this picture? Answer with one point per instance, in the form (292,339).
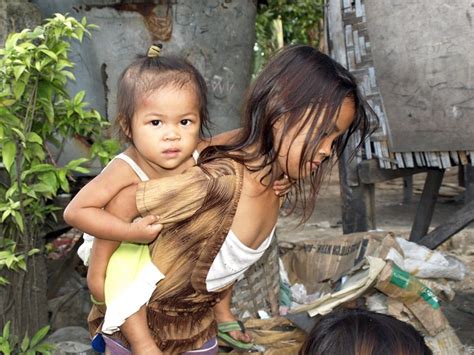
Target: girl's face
(165,128)
(291,151)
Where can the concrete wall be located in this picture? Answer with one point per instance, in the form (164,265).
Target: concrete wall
(17,15)
(216,36)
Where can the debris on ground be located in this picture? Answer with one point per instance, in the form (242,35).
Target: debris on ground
(368,270)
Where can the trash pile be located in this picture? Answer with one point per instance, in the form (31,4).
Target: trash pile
(376,271)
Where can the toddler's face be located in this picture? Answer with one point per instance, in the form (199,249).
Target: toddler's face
(165,128)
(291,152)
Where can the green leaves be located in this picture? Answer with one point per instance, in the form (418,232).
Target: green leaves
(25,343)
(12,259)
(5,346)
(18,70)
(75,165)
(19,89)
(33,137)
(105,150)
(8,154)
(50,54)
(37,117)
(19,221)
(79,97)
(301,21)
(39,335)
(10,345)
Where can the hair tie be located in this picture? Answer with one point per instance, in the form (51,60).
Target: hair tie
(154,50)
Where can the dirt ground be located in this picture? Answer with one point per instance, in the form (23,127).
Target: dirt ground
(394,215)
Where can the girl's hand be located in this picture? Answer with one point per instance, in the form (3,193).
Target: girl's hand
(145,230)
(282,186)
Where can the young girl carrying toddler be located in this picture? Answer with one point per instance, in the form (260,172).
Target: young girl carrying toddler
(162,114)
(220,216)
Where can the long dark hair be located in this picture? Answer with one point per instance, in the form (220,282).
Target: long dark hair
(147,74)
(361,332)
(300,84)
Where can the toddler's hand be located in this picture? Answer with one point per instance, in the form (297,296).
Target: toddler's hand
(145,230)
(282,186)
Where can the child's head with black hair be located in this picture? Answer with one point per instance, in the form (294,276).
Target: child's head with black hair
(162,110)
(149,74)
(361,332)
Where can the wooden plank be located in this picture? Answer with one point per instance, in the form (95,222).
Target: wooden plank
(454,224)
(408,159)
(399,158)
(378,154)
(347,5)
(357,199)
(357,212)
(438,160)
(337,46)
(355,40)
(419,161)
(357,142)
(373,82)
(454,156)
(370,172)
(386,154)
(429,159)
(362,47)
(351,175)
(468,183)
(358,8)
(407,189)
(350,59)
(426,206)
(348,35)
(445,160)
(423,159)
(370,195)
(368,149)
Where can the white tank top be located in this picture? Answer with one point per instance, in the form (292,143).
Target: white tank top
(233,259)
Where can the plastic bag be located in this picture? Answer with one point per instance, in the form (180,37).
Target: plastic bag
(426,263)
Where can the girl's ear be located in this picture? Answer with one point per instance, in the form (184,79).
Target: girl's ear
(126,130)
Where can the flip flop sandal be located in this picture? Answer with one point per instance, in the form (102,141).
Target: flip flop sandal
(222,333)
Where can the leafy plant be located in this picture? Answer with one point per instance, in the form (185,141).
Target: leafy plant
(11,259)
(300,21)
(36,115)
(35,109)
(9,344)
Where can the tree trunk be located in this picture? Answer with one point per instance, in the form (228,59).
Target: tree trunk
(24,301)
